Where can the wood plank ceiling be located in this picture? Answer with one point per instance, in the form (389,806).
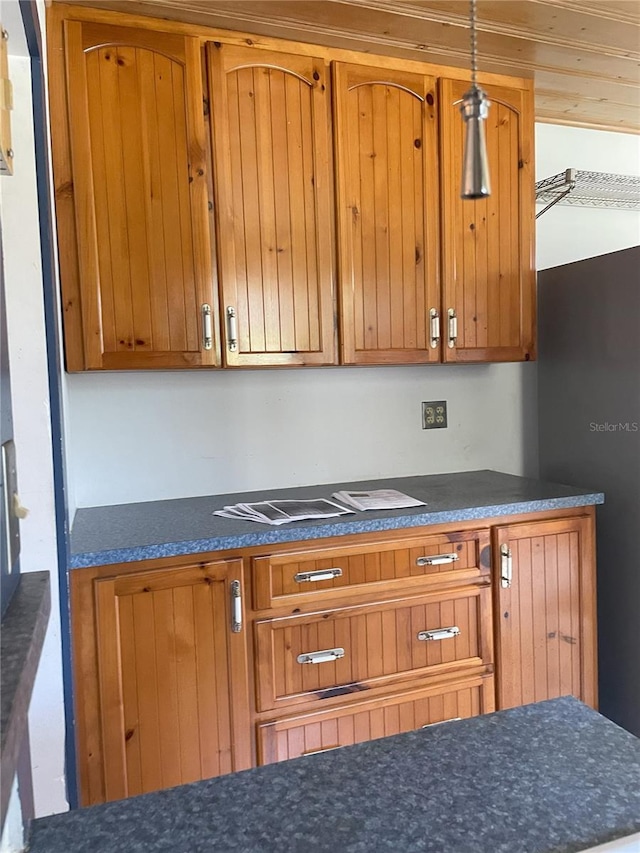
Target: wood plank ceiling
(584,56)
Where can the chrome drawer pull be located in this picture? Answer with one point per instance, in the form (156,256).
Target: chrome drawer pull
(326,656)
(440,634)
(440,722)
(320,575)
(437,560)
(207,327)
(236,607)
(434,327)
(506,566)
(453,327)
(232,329)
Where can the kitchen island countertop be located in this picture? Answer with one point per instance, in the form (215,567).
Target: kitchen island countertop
(554,777)
(151,530)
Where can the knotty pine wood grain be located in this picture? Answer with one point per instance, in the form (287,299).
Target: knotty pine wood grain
(382,569)
(133,173)
(545,622)
(271,142)
(380,644)
(387,200)
(488,270)
(583,55)
(291,737)
(173,678)
(85,638)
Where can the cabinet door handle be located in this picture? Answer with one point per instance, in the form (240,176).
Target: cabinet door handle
(232,329)
(325,656)
(440,722)
(434,327)
(453,327)
(236,607)
(319,575)
(440,633)
(207,327)
(436,559)
(506,566)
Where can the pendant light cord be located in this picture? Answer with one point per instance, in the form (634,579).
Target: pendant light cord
(474,44)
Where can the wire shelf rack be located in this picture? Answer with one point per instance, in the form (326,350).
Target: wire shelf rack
(589,189)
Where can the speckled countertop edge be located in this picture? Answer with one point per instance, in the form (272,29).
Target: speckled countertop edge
(276,536)
(362,523)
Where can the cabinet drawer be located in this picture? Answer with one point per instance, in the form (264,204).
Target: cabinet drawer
(419,561)
(352,649)
(322,731)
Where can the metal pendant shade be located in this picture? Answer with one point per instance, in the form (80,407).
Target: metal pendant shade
(474,108)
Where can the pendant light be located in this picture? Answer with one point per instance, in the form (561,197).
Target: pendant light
(475,109)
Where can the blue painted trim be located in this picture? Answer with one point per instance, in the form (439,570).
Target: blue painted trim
(34,42)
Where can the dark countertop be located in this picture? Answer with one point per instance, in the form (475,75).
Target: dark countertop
(143,531)
(554,777)
(22,633)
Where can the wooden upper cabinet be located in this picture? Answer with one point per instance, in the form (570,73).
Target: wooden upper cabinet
(273,179)
(488,245)
(387,201)
(546,617)
(131,188)
(174,704)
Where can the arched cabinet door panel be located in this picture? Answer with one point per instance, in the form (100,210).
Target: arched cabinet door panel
(387,168)
(139,186)
(273,178)
(488,245)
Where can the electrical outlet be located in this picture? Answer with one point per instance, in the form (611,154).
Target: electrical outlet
(434,415)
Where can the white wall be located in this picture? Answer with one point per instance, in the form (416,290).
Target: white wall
(150,436)
(567,233)
(32,432)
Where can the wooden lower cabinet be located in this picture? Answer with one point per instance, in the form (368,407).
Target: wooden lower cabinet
(308,734)
(189,669)
(546,615)
(351,649)
(173,678)
(327,574)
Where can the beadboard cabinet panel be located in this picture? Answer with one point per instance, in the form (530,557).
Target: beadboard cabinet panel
(387,198)
(384,248)
(328,574)
(273,178)
(140,202)
(308,734)
(546,625)
(173,678)
(488,245)
(165,690)
(380,644)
